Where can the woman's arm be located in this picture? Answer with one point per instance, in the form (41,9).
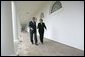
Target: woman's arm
(45,26)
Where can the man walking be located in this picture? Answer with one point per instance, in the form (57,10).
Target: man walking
(32,25)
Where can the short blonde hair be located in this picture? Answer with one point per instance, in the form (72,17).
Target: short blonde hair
(41,19)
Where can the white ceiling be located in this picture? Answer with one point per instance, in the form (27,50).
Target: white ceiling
(27,9)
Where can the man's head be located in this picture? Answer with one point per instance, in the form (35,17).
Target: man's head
(33,19)
(41,20)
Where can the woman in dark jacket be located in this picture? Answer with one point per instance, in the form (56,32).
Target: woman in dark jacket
(41,26)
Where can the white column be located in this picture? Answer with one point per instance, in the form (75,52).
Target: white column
(15,25)
(7,44)
(14,20)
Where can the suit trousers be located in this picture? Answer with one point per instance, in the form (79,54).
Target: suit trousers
(41,36)
(31,36)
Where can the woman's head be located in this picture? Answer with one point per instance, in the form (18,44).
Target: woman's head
(41,20)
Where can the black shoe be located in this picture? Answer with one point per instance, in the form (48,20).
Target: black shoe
(42,42)
(32,43)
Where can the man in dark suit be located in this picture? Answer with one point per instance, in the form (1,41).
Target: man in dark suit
(32,25)
(41,27)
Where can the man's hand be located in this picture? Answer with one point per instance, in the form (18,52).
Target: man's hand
(31,28)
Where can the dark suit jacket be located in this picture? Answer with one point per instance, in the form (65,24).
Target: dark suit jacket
(41,27)
(32,25)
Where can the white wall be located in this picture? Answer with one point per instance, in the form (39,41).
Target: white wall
(65,25)
(19,27)
(7,45)
(18,22)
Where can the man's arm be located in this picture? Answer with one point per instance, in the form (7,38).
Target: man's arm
(30,26)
